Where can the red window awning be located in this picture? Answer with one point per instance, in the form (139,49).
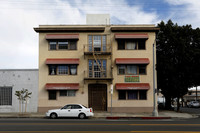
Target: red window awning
(132,86)
(62,86)
(62,61)
(132,61)
(62,36)
(131,36)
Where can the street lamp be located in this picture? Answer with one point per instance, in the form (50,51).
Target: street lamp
(155,112)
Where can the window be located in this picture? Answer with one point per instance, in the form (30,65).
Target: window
(52,70)
(96,66)
(131,69)
(52,95)
(121,69)
(67,107)
(63,45)
(97,69)
(131,44)
(121,44)
(143,95)
(67,93)
(132,94)
(76,107)
(73,69)
(104,43)
(5,96)
(73,45)
(62,69)
(104,68)
(52,45)
(141,44)
(122,95)
(72,107)
(142,69)
(90,62)
(97,43)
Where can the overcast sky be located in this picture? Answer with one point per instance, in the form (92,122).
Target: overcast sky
(19,42)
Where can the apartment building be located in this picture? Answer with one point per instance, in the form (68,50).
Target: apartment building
(192,95)
(81,63)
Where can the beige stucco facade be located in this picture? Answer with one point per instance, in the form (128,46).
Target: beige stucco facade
(82,94)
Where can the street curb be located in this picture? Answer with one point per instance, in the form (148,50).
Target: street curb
(21,117)
(156,117)
(109,118)
(144,118)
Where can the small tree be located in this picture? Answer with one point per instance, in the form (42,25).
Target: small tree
(23,96)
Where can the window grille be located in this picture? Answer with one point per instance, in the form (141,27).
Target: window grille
(5,96)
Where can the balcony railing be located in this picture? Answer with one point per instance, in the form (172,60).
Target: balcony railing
(88,50)
(97,75)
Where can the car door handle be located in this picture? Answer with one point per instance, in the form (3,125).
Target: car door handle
(68,110)
(79,110)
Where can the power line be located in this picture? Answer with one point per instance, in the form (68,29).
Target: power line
(106,7)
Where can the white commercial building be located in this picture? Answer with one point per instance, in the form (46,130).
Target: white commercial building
(12,80)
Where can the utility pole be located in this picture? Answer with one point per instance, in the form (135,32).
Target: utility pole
(155,112)
(196,93)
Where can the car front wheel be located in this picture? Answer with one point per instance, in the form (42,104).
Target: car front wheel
(53,116)
(82,116)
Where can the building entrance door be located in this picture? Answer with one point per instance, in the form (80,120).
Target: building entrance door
(97,97)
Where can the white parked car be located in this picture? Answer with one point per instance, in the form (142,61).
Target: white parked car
(71,110)
(194,104)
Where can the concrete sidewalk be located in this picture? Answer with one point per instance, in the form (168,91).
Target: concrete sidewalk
(107,115)
(161,115)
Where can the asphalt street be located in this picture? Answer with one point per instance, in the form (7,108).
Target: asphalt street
(31,125)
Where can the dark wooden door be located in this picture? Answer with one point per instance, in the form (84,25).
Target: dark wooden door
(97,97)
